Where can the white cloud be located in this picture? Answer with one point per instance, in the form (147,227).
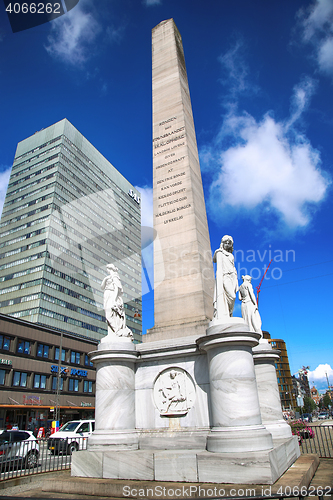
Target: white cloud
(319,374)
(266,165)
(235,72)
(320,18)
(317,25)
(72,35)
(301,99)
(4,178)
(152,2)
(325,56)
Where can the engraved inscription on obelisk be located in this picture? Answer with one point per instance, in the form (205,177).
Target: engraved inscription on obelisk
(183,269)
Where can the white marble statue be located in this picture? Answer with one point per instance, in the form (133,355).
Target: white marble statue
(226,283)
(114,305)
(250,313)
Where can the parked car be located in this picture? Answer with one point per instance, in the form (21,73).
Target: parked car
(323,415)
(71,437)
(18,449)
(306,417)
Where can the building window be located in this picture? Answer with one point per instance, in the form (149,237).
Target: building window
(43,351)
(4,343)
(87,386)
(73,384)
(2,377)
(54,383)
(56,354)
(75,357)
(23,347)
(20,379)
(87,361)
(39,381)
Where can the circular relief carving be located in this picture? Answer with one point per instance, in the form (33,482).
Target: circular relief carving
(174,392)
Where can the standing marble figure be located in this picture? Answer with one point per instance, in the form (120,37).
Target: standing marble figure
(113,304)
(226,283)
(250,313)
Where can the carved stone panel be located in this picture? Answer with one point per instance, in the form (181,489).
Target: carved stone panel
(174,392)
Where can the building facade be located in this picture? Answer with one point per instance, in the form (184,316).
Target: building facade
(283,374)
(29,366)
(315,395)
(67,214)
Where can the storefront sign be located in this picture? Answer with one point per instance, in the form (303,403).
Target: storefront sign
(85,404)
(63,369)
(80,373)
(66,371)
(5,361)
(134,196)
(32,400)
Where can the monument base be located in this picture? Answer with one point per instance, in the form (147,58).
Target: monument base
(183,409)
(263,467)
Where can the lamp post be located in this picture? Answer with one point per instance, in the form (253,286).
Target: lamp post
(57,408)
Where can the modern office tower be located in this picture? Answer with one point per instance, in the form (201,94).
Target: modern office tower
(283,374)
(67,214)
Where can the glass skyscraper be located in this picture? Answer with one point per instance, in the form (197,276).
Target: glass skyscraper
(67,214)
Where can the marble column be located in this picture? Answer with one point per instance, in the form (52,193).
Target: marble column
(115,399)
(268,390)
(236,419)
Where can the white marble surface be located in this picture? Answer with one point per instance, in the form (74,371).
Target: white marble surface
(104,440)
(233,387)
(176,466)
(250,438)
(242,468)
(261,467)
(173,438)
(128,465)
(87,464)
(268,390)
(115,396)
(147,414)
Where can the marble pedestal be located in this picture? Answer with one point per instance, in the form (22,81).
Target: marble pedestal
(268,390)
(115,395)
(184,409)
(236,419)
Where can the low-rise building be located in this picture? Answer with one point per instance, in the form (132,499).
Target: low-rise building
(29,365)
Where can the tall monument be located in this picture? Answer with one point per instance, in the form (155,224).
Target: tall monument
(189,403)
(183,270)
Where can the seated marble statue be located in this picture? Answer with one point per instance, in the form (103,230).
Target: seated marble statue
(226,283)
(250,313)
(113,304)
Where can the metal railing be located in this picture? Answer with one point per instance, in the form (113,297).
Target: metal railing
(318,440)
(36,456)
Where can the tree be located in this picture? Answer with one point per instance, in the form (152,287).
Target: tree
(327,400)
(309,405)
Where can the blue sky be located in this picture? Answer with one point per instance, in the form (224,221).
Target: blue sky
(260,75)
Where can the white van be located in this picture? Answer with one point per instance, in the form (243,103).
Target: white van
(72,436)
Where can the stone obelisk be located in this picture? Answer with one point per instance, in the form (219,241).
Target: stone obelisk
(183,270)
